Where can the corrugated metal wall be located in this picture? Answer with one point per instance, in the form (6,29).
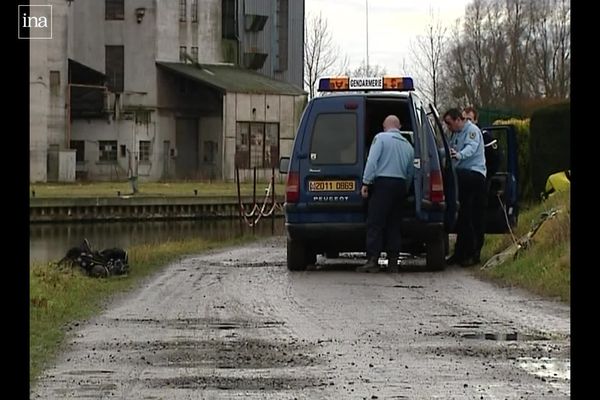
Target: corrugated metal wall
(266,40)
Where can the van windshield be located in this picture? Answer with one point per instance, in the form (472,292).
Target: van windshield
(334,139)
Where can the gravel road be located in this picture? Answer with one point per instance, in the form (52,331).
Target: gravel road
(236,324)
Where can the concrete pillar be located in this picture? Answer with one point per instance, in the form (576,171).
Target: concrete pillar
(38,115)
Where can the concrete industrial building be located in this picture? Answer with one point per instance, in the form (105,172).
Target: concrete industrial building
(165,89)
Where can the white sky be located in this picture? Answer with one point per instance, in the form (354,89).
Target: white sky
(392,25)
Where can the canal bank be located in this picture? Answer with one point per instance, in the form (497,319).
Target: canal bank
(124,208)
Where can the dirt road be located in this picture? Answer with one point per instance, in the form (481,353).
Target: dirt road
(236,324)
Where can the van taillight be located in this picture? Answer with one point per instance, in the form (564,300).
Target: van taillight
(436,187)
(292,187)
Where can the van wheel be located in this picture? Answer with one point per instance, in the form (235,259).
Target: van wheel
(297,255)
(436,249)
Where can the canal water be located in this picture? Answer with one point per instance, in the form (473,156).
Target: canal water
(50,242)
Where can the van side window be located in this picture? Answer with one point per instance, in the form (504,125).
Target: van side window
(334,139)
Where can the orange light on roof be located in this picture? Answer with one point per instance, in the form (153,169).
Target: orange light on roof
(339,83)
(392,83)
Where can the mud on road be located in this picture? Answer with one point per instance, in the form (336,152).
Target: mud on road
(236,324)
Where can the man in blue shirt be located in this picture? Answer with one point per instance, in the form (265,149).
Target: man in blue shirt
(387,177)
(467,152)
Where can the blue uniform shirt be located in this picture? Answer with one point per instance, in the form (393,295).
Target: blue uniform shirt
(469,145)
(390,155)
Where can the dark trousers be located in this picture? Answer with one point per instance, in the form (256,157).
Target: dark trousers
(470,228)
(386,196)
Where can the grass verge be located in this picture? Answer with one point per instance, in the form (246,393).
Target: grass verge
(62,296)
(545,267)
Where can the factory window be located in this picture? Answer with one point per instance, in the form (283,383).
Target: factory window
(108,150)
(114,9)
(182,10)
(145,150)
(115,64)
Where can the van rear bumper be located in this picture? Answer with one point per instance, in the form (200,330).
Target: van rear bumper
(352,236)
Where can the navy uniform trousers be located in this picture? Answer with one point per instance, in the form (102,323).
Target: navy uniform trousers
(386,198)
(471,214)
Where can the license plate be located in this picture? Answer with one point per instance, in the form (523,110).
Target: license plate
(331,186)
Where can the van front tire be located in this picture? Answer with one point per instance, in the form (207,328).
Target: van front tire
(297,255)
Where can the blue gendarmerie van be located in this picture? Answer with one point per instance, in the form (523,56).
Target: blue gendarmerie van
(324,211)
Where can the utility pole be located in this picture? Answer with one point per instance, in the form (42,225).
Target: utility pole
(367,16)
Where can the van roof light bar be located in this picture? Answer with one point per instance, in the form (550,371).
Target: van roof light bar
(351,84)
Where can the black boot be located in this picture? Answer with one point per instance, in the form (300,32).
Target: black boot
(372,265)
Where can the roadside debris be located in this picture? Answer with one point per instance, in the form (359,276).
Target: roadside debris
(523,242)
(98,264)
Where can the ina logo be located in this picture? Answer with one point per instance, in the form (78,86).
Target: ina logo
(35,21)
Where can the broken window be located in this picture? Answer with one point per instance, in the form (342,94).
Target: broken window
(107,150)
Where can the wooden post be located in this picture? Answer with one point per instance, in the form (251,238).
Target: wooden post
(237,179)
(273,200)
(254,200)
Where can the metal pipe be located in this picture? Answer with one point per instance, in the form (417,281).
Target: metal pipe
(367,14)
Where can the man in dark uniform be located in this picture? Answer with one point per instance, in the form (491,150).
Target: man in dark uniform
(388,174)
(493,156)
(467,152)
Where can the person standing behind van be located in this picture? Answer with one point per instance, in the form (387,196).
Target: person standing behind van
(467,152)
(388,174)
(493,156)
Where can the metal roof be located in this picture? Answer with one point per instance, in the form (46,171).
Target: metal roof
(229,78)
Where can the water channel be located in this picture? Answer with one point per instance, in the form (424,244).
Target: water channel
(50,242)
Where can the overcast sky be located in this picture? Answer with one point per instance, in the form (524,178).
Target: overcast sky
(392,25)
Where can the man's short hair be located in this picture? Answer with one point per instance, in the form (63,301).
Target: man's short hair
(472,110)
(453,113)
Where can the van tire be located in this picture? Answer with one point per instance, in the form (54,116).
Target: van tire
(436,250)
(297,255)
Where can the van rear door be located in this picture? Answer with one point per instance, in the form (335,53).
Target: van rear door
(448,173)
(502,189)
(332,159)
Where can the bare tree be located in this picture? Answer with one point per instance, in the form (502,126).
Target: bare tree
(510,53)
(427,52)
(551,67)
(364,70)
(321,55)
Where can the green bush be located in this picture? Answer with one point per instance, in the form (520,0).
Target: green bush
(550,143)
(526,191)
